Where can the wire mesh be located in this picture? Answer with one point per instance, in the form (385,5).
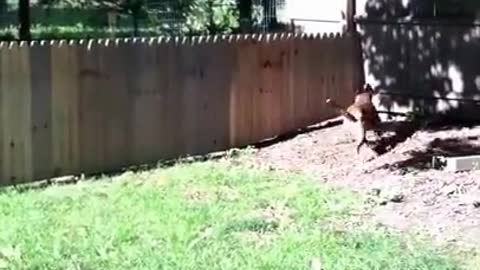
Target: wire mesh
(118,18)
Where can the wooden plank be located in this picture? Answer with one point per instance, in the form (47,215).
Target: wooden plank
(230,60)
(313,91)
(118,106)
(263,95)
(166,63)
(243,105)
(73,109)
(271,67)
(328,66)
(277,93)
(26,170)
(307,75)
(317,91)
(267,92)
(255,73)
(284,85)
(236,90)
(174,110)
(291,91)
(159,81)
(200,85)
(147,97)
(101,99)
(300,72)
(17,115)
(190,99)
(216,100)
(319,63)
(209,93)
(310,77)
(41,67)
(65,120)
(234,94)
(90,109)
(4,144)
(9,62)
(12,117)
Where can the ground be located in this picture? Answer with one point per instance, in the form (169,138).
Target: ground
(406,193)
(283,205)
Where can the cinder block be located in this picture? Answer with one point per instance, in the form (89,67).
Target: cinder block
(465,163)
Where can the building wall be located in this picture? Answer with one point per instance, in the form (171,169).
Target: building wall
(422,55)
(305,12)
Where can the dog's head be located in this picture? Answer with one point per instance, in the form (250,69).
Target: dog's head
(364,94)
(367,88)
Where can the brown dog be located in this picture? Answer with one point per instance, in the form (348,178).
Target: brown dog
(362,114)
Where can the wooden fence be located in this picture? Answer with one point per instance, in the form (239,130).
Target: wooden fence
(70,107)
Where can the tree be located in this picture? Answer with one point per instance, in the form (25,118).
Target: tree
(24,19)
(212,16)
(245,9)
(3,7)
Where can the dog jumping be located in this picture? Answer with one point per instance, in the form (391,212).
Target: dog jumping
(362,114)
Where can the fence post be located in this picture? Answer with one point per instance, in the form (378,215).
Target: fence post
(356,45)
(351,8)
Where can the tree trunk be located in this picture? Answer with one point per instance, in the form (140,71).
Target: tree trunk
(135,7)
(3,7)
(24,19)
(351,8)
(245,20)
(135,23)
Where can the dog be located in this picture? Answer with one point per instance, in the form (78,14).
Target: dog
(362,114)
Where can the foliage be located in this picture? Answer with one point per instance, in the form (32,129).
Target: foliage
(79,31)
(107,4)
(134,16)
(212,16)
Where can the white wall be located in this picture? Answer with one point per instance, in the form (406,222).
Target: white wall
(319,10)
(314,10)
(360,10)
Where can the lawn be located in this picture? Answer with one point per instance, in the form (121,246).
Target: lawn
(206,215)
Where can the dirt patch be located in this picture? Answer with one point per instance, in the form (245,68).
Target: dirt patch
(407,193)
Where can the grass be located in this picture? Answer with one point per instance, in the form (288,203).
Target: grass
(208,215)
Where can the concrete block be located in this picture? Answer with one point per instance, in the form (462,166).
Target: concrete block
(465,163)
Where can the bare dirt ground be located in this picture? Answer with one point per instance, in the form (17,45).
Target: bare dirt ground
(404,191)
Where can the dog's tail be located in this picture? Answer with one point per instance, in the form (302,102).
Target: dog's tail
(341,110)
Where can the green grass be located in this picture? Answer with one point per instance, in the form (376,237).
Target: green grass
(210,215)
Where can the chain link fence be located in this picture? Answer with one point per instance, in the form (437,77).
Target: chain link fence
(53,19)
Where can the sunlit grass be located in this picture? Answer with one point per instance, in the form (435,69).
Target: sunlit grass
(209,215)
